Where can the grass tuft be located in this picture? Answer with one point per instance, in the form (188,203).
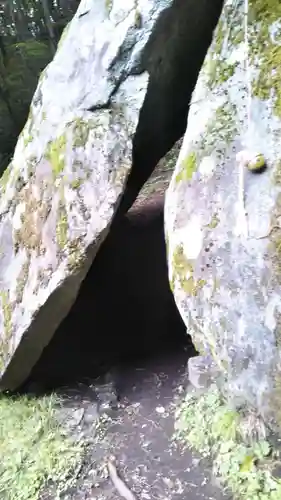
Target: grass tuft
(243,459)
(34,448)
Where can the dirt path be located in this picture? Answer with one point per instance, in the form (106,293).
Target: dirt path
(138,433)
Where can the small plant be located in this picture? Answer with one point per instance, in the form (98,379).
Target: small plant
(206,423)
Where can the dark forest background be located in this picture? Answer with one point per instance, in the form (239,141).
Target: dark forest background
(29,34)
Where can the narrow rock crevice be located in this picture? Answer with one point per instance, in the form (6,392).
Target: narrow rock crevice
(173,58)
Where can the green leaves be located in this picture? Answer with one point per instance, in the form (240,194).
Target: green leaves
(206,423)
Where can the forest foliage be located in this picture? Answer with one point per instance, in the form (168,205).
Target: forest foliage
(29,34)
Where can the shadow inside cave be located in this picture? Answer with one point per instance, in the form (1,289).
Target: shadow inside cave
(125,309)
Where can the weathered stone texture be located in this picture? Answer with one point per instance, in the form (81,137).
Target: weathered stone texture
(115,95)
(224,261)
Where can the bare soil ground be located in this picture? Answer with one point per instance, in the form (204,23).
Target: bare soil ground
(137,432)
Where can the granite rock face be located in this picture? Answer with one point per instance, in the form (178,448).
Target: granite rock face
(111,103)
(222,221)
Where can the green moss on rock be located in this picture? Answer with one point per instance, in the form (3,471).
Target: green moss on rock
(187,168)
(27,138)
(221,130)
(22,280)
(138,19)
(7,324)
(29,235)
(7,313)
(214,222)
(76,183)
(108,6)
(56,154)
(76,255)
(183,272)
(80,133)
(62,225)
(263,14)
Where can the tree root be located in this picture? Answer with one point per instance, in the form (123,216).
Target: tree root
(119,485)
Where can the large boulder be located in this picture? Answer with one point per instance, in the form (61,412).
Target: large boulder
(222,219)
(119,83)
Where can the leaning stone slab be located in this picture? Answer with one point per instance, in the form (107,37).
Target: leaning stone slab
(71,162)
(223,222)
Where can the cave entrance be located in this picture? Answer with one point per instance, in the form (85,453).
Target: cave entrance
(125,309)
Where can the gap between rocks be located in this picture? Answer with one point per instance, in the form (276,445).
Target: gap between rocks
(125,309)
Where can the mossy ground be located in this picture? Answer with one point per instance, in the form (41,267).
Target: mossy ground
(34,449)
(242,463)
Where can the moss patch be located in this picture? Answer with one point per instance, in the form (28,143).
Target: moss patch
(34,448)
(29,235)
(22,280)
(263,14)
(56,155)
(246,466)
(76,255)
(265,55)
(187,168)
(214,221)
(62,224)
(7,313)
(80,133)
(7,327)
(108,6)
(221,129)
(182,267)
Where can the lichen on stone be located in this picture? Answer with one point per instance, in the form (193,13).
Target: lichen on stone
(7,327)
(187,168)
(22,279)
(138,17)
(76,255)
(7,312)
(62,223)
(29,235)
(76,183)
(108,6)
(217,65)
(221,130)
(55,153)
(264,52)
(184,274)
(81,131)
(214,221)
(266,85)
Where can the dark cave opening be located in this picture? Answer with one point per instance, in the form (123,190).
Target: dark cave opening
(125,309)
